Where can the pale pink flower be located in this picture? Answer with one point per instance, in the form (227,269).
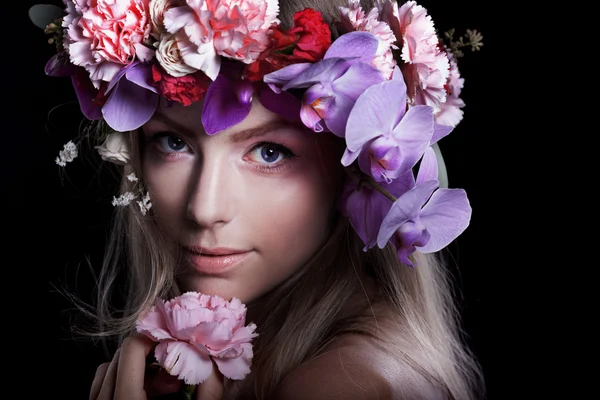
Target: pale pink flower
(353,18)
(426,66)
(194,328)
(450,113)
(104,35)
(157,13)
(169,57)
(208,29)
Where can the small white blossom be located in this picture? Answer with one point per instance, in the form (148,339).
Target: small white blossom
(67,154)
(124,199)
(132,177)
(145,203)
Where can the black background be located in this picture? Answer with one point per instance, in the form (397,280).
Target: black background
(57,220)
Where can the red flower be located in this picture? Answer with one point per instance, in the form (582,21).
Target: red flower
(307,41)
(314,35)
(184,89)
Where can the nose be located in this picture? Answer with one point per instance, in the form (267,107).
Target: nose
(212,193)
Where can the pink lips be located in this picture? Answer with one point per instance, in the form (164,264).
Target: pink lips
(216,260)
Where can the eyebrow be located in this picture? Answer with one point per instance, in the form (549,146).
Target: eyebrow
(235,137)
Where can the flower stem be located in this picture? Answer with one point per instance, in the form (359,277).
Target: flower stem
(369,181)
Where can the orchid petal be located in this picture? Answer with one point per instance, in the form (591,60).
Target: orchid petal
(141,75)
(286,74)
(222,108)
(406,208)
(321,72)
(85,92)
(428,169)
(58,65)
(366,209)
(446,215)
(284,103)
(359,44)
(413,134)
(129,106)
(349,157)
(357,78)
(375,112)
(440,131)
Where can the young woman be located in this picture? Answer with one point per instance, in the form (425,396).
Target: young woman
(227,121)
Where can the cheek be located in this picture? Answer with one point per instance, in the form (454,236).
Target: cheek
(167,187)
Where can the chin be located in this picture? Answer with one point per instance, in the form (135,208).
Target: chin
(223,287)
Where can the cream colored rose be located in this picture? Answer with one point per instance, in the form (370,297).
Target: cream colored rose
(115,148)
(157,12)
(169,57)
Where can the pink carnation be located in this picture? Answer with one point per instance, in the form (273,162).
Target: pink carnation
(194,328)
(104,35)
(353,18)
(426,66)
(451,112)
(207,29)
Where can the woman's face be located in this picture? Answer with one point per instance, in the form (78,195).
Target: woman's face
(246,207)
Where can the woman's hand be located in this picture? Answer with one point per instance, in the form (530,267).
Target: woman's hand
(128,377)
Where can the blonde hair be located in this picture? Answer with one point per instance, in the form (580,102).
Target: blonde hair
(307,311)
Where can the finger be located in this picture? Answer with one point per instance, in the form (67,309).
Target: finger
(98,379)
(132,367)
(212,387)
(108,383)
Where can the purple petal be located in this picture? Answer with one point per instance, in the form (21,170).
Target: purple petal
(59,65)
(284,103)
(129,106)
(362,45)
(141,75)
(439,131)
(284,75)
(375,112)
(349,157)
(320,72)
(85,91)
(413,134)
(222,108)
(357,78)
(446,216)
(365,207)
(428,169)
(406,208)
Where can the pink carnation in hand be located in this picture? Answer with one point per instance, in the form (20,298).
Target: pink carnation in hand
(103,36)
(194,328)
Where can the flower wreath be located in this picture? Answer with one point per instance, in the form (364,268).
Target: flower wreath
(388,85)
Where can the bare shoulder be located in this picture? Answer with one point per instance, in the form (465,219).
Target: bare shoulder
(356,369)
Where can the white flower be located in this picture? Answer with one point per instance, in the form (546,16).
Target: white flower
(131,177)
(67,154)
(124,199)
(169,57)
(115,148)
(145,203)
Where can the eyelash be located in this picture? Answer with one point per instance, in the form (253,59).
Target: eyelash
(280,165)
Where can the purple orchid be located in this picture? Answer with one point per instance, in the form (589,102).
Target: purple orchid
(387,138)
(426,217)
(366,207)
(334,83)
(131,101)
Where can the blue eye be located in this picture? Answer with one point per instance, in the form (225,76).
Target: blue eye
(171,143)
(268,153)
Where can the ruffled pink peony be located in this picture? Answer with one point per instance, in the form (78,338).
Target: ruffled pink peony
(426,66)
(104,35)
(194,328)
(353,18)
(451,112)
(207,29)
